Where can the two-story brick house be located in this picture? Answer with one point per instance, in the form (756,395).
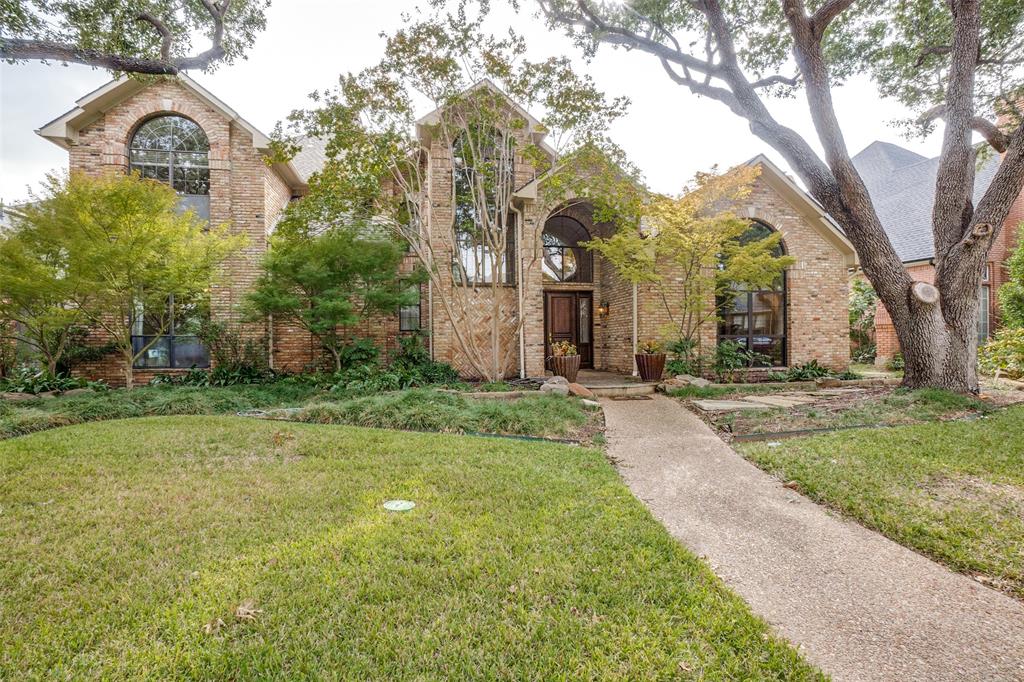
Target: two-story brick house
(176,131)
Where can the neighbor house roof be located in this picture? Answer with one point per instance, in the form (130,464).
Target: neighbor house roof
(902,188)
(63,130)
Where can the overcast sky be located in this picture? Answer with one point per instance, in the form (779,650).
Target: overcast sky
(669,133)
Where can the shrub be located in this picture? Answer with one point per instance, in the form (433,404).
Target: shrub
(236,361)
(896,364)
(28,379)
(807,372)
(1004,354)
(685,358)
(730,358)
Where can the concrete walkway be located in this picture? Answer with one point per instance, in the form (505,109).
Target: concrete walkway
(858,605)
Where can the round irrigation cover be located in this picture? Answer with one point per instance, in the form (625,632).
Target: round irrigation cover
(399,505)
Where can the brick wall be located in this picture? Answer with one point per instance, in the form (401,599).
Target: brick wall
(245,194)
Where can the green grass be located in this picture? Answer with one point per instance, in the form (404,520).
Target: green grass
(416,409)
(953,491)
(123,540)
(426,410)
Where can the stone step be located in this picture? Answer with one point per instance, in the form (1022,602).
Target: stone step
(607,390)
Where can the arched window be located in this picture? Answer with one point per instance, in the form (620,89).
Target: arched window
(483,172)
(565,258)
(175,150)
(756,319)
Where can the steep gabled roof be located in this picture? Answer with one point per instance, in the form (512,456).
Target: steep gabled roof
(63,130)
(814,212)
(536,128)
(902,188)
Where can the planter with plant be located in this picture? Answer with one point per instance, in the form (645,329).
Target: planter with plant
(565,360)
(650,361)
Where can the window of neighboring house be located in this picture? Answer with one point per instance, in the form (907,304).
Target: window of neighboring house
(409,315)
(175,150)
(983,311)
(756,319)
(178,347)
(483,175)
(565,258)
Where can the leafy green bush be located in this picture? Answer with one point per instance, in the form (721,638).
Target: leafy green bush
(1004,354)
(236,361)
(807,372)
(28,379)
(730,358)
(685,358)
(895,363)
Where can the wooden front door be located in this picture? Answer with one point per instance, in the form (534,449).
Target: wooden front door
(568,316)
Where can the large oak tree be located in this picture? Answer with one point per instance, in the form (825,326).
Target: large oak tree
(958,62)
(148,37)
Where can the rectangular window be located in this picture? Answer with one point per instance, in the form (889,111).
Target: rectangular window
(178,347)
(983,322)
(477,259)
(409,315)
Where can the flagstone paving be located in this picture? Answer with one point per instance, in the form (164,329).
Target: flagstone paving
(858,605)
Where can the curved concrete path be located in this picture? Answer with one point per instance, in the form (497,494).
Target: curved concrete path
(859,606)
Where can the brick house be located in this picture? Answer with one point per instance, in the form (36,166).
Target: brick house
(902,187)
(176,131)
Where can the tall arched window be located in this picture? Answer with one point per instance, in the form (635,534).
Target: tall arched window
(483,172)
(756,319)
(565,258)
(175,150)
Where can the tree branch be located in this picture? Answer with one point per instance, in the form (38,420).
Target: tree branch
(992,134)
(826,14)
(22,49)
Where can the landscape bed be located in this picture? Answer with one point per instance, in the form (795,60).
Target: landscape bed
(223,547)
(951,490)
(413,409)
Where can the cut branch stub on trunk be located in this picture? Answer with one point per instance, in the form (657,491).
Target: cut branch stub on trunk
(926,293)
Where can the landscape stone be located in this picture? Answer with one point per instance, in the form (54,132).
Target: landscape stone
(557,389)
(557,380)
(17,396)
(581,391)
(728,405)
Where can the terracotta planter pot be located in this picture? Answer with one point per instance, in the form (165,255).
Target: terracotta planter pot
(566,366)
(651,366)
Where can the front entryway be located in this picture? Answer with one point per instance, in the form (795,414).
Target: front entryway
(568,316)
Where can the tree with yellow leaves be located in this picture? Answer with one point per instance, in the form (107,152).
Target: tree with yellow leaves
(694,250)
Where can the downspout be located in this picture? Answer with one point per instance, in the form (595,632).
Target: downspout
(430,317)
(635,325)
(519,290)
(270,340)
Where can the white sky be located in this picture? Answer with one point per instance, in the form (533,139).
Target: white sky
(669,133)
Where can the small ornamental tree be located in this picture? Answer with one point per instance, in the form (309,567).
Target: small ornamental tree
(957,62)
(38,293)
(1011,294)
(378,169)
(330,278)
(131,255)
(151,37)
(691,250)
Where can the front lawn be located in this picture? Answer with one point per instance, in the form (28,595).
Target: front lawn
(415,409)
(227,548)
(953,491)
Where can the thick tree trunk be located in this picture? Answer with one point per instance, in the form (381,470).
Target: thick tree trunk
(939,339)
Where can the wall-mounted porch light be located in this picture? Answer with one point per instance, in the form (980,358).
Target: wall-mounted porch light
(602,309)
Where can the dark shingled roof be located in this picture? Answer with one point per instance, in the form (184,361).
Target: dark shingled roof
(902,187)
